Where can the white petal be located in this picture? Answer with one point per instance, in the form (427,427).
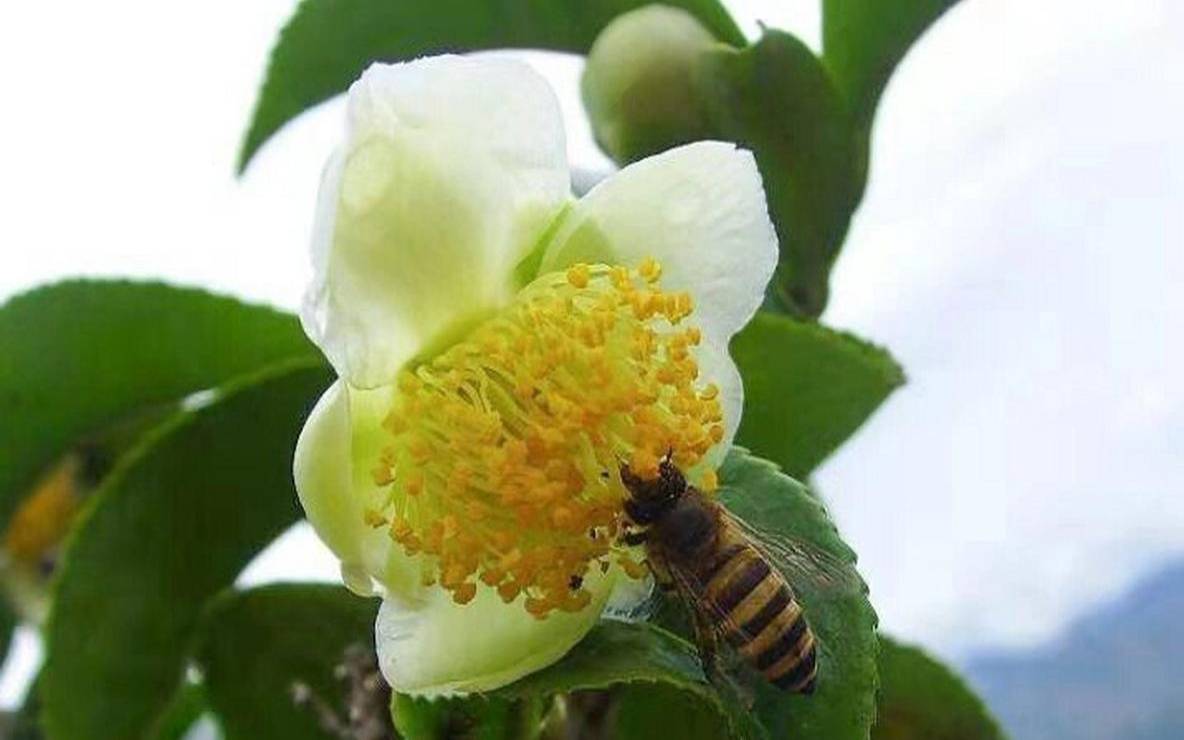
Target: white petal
(438,648)
(700,211)
(716,366)
(451,171)
(336,451)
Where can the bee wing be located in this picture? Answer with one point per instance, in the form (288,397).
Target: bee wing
(802,562)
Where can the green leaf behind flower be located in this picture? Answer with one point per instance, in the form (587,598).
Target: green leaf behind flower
(921,698)
(470,718)
(778,100)
(81,356)
(8,625)
(807,389)
(844,703)
(327,44)
(172,525)
(864,40)
(255,645)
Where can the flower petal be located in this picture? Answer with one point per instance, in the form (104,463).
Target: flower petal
(337,448)
(716,366)
(700,211)
(438,648)
(451,171)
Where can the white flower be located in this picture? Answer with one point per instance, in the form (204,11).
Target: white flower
(502,349)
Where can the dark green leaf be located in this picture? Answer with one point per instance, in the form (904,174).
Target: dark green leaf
(328,43)
(256,645)
(777,99)
(8,624)
(173,524)
(863,40)
(187,707)
(619,653)
(472,718)
(807,388)
(657,710)
(80,356)
(922,699)
(843,704)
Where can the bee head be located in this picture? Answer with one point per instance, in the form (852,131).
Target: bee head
(651,498)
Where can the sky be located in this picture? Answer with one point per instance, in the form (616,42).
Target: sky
(1018,251)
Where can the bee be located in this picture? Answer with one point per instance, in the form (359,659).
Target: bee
(721,570)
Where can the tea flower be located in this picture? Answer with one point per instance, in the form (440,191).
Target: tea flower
(502,350)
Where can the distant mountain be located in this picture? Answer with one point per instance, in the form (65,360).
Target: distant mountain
(1117,673)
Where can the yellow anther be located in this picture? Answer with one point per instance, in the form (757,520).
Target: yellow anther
(464,593)
(374,519)
(382,475)
(710,481)
(650,270)
(508,591)
(504,449)
(578,275)
(710,391)
(414,484)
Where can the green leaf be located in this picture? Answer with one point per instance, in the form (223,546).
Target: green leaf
(807,389)
(187,707)
(921,698)
(617,654)
(328,43)
(8,625)
(863,40)
(255,645)
(844,703)
(172,525)
(471,718)
(81,356)
(657,710)
(777,99)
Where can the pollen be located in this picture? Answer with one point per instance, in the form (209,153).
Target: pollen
(503,465)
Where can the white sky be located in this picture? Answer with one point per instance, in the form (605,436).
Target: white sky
(1019,251)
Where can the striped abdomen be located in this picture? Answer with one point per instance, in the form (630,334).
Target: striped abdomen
(760,616)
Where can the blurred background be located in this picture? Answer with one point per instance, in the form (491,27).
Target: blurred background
(1016,507)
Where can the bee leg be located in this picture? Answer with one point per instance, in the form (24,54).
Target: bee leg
(723,679)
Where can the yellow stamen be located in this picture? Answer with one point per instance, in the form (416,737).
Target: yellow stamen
(504,464)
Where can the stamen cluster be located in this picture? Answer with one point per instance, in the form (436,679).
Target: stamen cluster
(505,453)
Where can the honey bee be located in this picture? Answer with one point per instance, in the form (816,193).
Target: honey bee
(722,571)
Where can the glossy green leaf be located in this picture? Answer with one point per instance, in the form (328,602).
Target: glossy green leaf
(187,707)
(864,40)
(657,710)
(777,99)
(328,43)
(921,699)
(807,388)
(80,356)
(255,645)
(172,525)
(617,654)
(471,718)
(843,705)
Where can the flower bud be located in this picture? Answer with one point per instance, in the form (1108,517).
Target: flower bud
(640,86)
